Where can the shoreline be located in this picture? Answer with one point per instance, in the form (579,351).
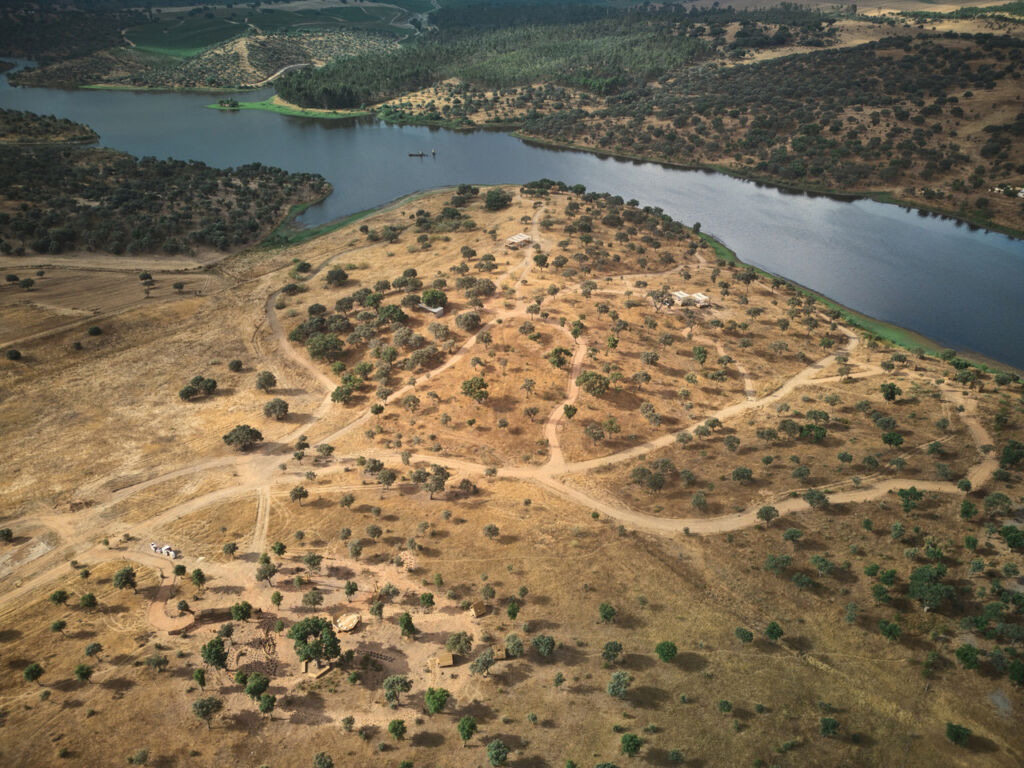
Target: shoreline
(283,108)
(878,196)
(149,89)
(285,235)
(884,330)
(889,333)
(885,198)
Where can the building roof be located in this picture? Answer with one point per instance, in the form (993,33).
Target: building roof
(348,622)
(697,298)
(522,237)
(478,608)
(445,659)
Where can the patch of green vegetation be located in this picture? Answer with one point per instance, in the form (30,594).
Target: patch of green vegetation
(435,120)
(286,233)
(722,252)
(269,105)
(185,37)
(892,334)
(271,20)
(1006,9)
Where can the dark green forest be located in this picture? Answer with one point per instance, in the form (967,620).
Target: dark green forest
(49,35)
(610,51)
(71,198)
(17,127)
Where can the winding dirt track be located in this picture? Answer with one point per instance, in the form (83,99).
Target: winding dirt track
(254,469)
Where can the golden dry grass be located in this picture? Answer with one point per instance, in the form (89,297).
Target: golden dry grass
(559,558)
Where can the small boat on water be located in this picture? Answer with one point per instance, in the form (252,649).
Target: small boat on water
(417,154)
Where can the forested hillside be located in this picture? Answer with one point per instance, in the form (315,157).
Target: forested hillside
(17,127)
(845,118)
(608,52)
(47,34)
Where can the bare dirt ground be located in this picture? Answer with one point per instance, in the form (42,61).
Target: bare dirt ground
(71,296)
(103,458)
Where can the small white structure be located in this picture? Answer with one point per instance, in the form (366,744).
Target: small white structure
(347,623)
(435,311)
(517,241)
(691,299)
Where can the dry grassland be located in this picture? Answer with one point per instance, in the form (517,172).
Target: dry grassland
(100,446)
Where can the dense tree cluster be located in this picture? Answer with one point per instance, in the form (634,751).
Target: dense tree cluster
(599,49)
(68,198)
(17,127)
(45,32)
(846,117)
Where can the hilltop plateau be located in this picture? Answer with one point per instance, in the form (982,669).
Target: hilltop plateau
(746,533)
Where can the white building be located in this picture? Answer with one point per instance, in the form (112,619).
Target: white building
(691,299)
(519,240)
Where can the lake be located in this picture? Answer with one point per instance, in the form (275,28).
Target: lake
(960,286)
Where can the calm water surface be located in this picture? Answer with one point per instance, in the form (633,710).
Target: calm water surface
(961,287)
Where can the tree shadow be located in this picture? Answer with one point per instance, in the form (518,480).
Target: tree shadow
(636,661)
(427,739)
(862,739)
(648,697)
(479,711)
(118,684)
(538,625)
(628,621)
(691,662)
(149,593)
(511,740)
(570,656)
(659,756)
(307,709)
(798,643)
(531,761)
(977,743)
(510,674)
(226,590)
(247,720)
(18,663)
(64,685)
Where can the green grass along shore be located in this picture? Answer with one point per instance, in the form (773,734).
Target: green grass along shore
(878,329)
(268,105)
